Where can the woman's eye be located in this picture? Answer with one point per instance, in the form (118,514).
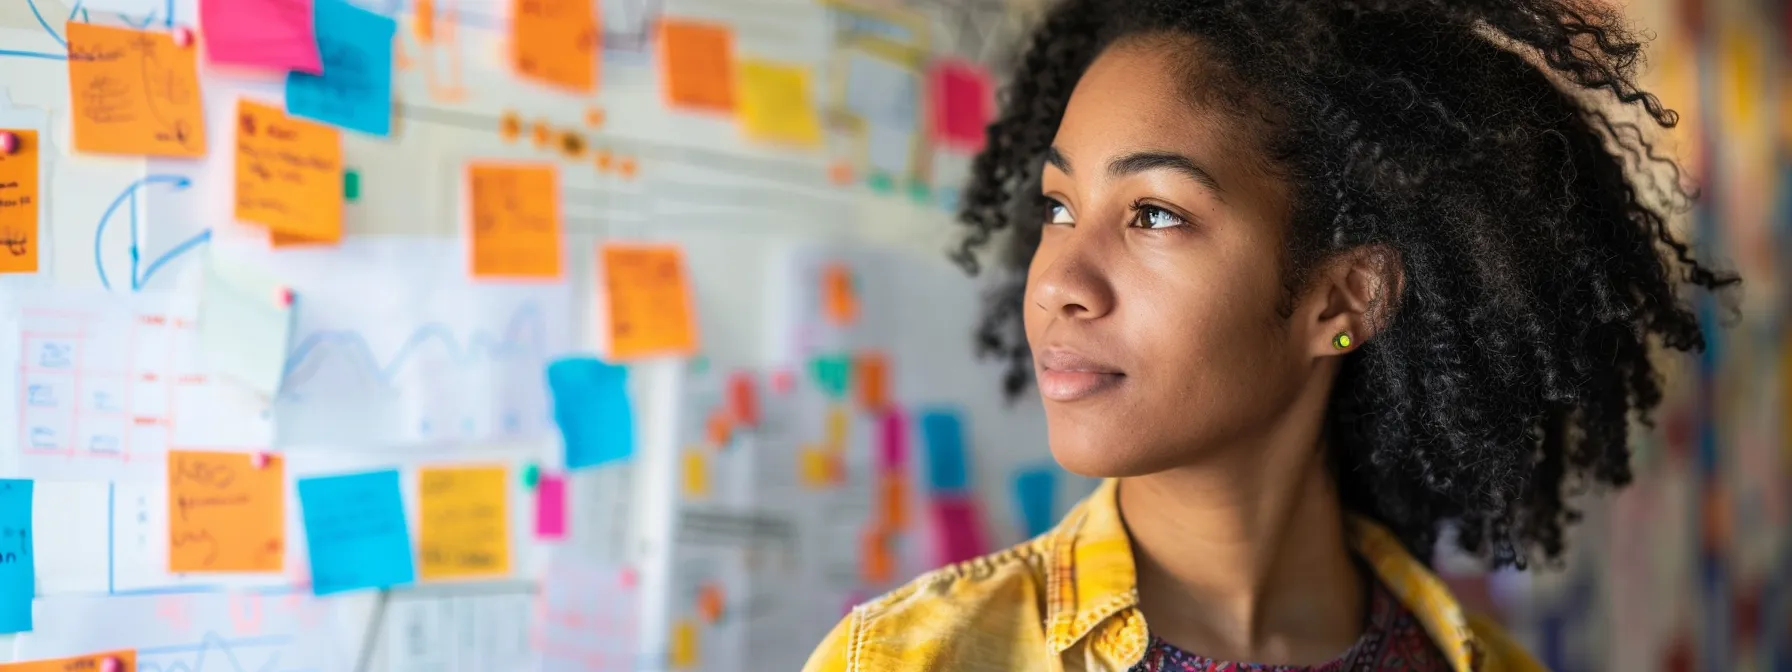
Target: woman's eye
(1058,214)
(1151,217)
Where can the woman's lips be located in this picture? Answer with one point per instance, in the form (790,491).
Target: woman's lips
(1067,375)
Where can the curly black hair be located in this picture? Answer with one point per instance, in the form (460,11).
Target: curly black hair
(1504,150)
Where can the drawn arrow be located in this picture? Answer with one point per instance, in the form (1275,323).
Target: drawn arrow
(176,182)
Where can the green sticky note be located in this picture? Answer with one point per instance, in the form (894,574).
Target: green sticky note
(351,185)
(919,192)
(531,475)
(699,365)
(881,183)
(831,374)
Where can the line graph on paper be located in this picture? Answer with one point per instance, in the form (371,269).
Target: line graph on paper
(193,632)
(108,383)
(215,653)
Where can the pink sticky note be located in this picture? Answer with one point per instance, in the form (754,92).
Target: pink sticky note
(892,449)
(958,530)
(277,34)
(963,100)
(550,507)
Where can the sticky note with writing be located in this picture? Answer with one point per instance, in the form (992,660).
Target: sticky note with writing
(697,64)
(355,531)
(355,89)
(942,432)
(134,92)
(515,220)
(777,103)
(18,562)
(276,34)
(91,662)
(225,514)
(556,42)
(21,223)
(550,507)
(649,301)
(591,406)
(1034,494)
(245,324)
(465,522)
(288,173)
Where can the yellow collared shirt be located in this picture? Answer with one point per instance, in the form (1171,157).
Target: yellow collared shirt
(1068,601)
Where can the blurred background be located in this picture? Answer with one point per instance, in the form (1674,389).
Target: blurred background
(717,228)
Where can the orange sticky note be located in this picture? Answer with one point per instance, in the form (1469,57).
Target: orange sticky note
(92,662)
(720,427)
(515,214)
(465,530)
(710,603)
(873,378)
(839,301)
(697,64)
(556,42)
(134,92)
(19,194)
(893,501)
(649,301)
(878,564)
(224,514)
(288,174)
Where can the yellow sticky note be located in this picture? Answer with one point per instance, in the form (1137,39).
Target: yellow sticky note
(19,196)
(515,214)
(777,103)
(92,662)
(834,437)
(556,42)
(649,301)
(134,92)
(465,531)
(225,514)
(288,174)
(696,474)
(697,64)
(684,645)
(816,469)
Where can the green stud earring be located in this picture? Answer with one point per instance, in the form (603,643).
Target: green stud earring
(1342,340)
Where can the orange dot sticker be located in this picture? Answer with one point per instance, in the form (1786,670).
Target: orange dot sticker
(626,166)
(605,160)
(543,133)
(840,174)
(710,603)
(595,117)
(572,145)
(510,126)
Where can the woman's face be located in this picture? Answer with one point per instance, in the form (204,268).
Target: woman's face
(1152,300)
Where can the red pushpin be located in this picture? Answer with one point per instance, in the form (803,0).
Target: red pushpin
(258,459)
(283,297)
(9,143)
(183,37)
(111,664)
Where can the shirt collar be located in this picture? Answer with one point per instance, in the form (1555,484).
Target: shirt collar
(1091,577)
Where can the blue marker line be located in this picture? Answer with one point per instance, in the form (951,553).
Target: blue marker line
(185,246)
(72,11)
(46,24)
(132,23)
(527,316)
(178,182)
(34,54)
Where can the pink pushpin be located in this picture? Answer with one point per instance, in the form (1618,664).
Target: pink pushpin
(9,142)
(183,37)
(283,297)
(783,381)
(111,664)
(258,459)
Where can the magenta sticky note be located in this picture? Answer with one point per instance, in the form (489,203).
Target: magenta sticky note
(550,507)
(963,101)
(958,530)
(275,34)
(892,445)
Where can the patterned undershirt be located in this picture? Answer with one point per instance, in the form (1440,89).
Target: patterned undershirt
(1393,640)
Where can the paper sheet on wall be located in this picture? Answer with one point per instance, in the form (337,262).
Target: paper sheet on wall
(590,620)
(110,382)
(192,631)
(245,325)
(409,349)
(469,632)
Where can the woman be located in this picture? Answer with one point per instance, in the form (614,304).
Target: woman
(1311,283)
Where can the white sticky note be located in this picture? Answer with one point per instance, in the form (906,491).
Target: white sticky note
(245,325)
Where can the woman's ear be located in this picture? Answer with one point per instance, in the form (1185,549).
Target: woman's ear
(1360,294)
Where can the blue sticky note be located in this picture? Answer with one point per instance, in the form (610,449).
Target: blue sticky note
(591,406)
(355,90)
(355,532)
(18,567)
(1035,493)
(942,433)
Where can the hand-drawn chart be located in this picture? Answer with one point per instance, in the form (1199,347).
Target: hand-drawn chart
(588,621)
(200,632)
(413,350)
(108,383)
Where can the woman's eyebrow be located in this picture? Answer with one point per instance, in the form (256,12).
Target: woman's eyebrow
(1138,162)
(1057,160)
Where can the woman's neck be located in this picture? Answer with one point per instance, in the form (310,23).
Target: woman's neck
(1246,561)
